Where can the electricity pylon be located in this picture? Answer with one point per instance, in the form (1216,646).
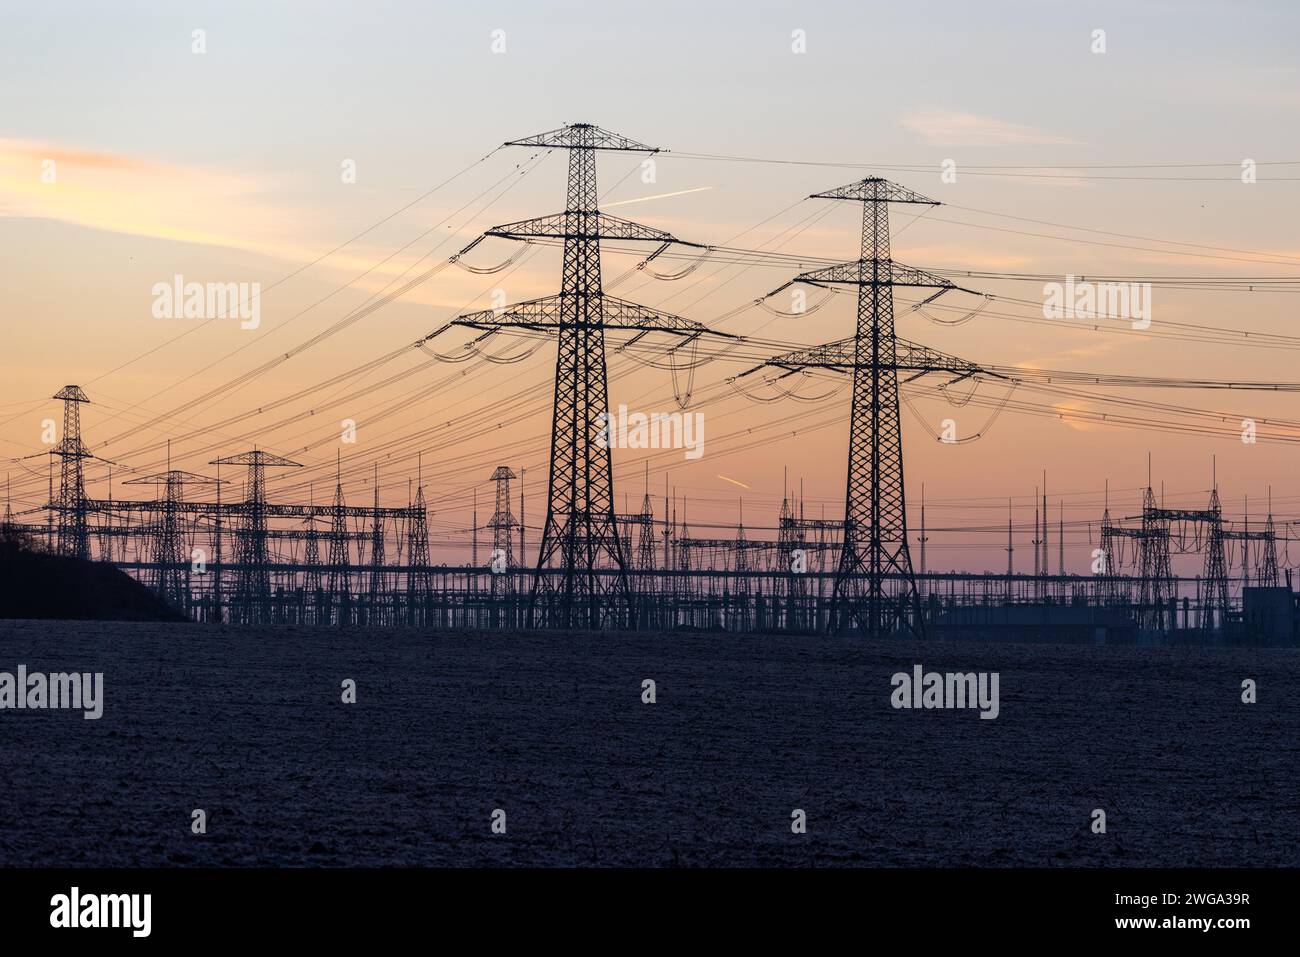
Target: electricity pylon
(339,588)
(503,524)
(1215,603)
(875,548)
(582,576)
(645,547)
(74,536)
(419,580)
(252,598)
(171,574)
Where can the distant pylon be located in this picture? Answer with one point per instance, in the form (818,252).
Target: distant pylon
(793,556)
(419,580)
(645,546)
(73,535)
(251,603)
(1214,604)
(339,587)
(1153,556)
(1267,571)
(313,583)
(740,564)
(171,573)
(502,524)
(502,564)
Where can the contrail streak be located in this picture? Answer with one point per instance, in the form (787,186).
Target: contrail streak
(642,199)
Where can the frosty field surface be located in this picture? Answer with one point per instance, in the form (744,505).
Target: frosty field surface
(248,725)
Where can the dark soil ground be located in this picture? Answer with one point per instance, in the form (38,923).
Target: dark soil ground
(249,726)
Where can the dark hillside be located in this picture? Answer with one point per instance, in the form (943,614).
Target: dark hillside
(34,584)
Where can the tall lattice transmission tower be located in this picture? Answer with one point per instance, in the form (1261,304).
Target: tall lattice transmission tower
(419,580)
(502,523)
(339,582)
(251,603)
(875,516)
(581,578)
(874,552)
(73,536)
(170,575)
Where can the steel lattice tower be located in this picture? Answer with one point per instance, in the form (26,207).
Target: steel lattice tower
(171,576)
(1156,567)
(252,598)
(503,522)
(875,517)
(419,580)
(340,577)
(875,548)
(645,545)
(313,592)
(73,536)
(1215,602)
(502,525)
(579,533)
(582,578)
(791,539)
(1267,565)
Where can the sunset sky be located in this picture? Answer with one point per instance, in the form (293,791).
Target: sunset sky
(227,166)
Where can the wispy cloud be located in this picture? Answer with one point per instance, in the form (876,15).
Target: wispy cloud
(950,128)
(142,197)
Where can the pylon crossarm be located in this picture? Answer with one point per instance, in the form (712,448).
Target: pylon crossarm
(621,314)
(71,393)
(1125,532)
(873,189)
(584,136)
(72,446)
(257,457)
(813,524)
(176,477)
(725,543)
(546,314)
(913,357)
(561,226)
(866,272)
(837,356)
(779,289)
(841,357)
(274,510)
(538,314)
